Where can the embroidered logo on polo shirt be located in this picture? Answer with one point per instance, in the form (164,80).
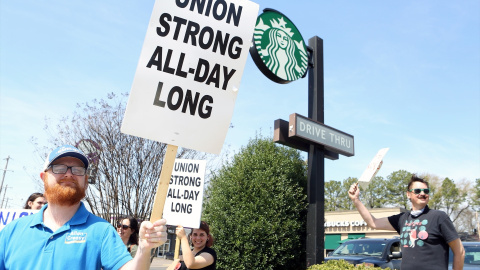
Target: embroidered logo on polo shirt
(75,237)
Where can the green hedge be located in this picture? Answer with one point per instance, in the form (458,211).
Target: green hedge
(341,265)
(256,207)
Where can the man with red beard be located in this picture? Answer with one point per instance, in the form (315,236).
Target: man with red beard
(425,234)
(63,234)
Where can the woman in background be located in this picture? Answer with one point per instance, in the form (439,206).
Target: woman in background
(127,228)
(202,256)
(35,201)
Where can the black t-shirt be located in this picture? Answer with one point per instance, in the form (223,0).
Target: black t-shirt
(210,267)
(424,239)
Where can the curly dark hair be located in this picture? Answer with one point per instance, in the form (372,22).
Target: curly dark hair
(416,179)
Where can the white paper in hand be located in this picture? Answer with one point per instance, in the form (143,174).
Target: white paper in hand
(372,168)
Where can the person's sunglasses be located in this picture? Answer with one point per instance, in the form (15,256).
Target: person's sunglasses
(418,190)
(61,169)
(123,226)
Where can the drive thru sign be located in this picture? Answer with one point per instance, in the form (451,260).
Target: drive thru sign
(189,72)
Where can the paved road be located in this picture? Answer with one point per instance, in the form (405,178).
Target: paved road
(159,263)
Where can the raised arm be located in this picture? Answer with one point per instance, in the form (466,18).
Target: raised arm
(372,222)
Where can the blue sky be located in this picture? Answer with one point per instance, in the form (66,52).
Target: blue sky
(403,75)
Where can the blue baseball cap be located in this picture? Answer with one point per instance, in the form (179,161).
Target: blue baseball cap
(65,151)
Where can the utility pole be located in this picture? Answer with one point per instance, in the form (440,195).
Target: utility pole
(4,172)
(6,203)
(3,199)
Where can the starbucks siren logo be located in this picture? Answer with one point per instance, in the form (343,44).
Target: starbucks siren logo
(279,50)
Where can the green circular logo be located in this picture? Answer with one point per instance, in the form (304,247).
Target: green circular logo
(278,48)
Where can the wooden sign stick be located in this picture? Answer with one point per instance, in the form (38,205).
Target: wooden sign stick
(177,249)
(163,182)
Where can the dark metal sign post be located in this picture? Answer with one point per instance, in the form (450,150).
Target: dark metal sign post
(316,159)
(285,133)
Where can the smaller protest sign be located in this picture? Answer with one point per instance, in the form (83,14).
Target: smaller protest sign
(183,204)
(372,168)
(9,215)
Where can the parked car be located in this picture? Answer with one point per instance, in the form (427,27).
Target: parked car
(472,256)
(377,252)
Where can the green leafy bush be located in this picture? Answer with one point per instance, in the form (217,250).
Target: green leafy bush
(341,265)
(257,207)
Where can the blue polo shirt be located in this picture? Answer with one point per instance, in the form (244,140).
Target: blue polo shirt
(84,242)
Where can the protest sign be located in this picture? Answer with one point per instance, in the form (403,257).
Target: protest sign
(9,215)
(372,168)
(183,204)
(189,72)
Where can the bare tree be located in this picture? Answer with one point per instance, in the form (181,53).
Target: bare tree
(464,207)
(475,195)
(466,223)
(124,170)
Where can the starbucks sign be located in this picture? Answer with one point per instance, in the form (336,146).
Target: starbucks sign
(278,48)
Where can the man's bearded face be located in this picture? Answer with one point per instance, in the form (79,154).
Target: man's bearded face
(64,195)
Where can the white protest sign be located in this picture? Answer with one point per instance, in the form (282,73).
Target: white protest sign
(372,168)
(9,215)
(189,72)
(183,205)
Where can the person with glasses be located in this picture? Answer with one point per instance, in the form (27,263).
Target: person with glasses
(64,234)
(127,228)
(425,234)
(35,201)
